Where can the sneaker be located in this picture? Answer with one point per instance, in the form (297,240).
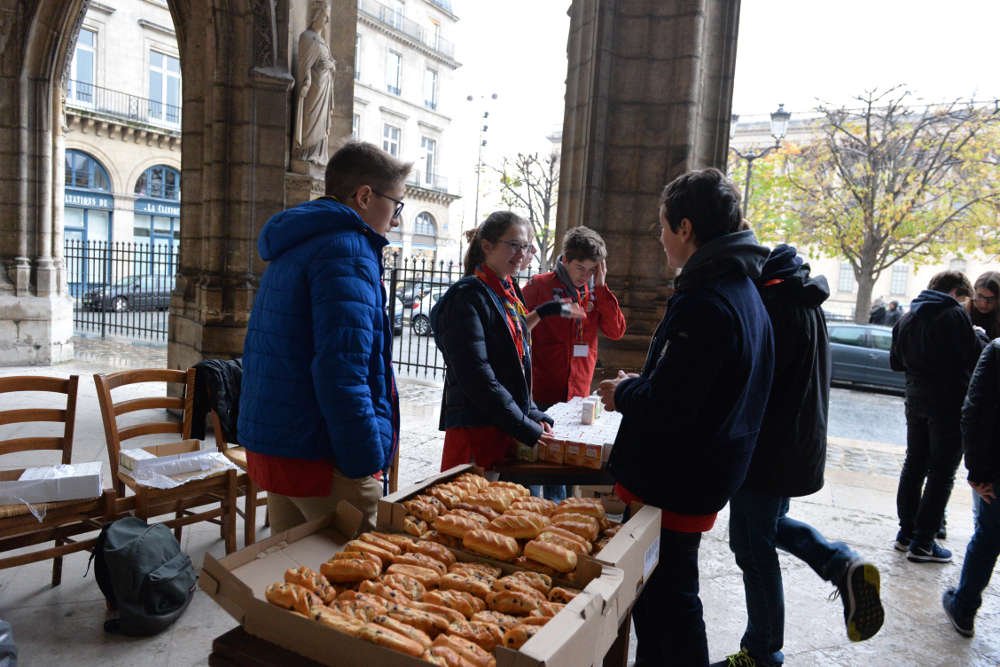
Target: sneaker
(741,659)
(962,624)
(902,542)
(928,553)
(859,591)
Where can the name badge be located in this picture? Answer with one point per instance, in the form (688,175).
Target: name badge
(581,350)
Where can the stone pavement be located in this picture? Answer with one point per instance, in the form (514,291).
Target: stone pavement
(857,505)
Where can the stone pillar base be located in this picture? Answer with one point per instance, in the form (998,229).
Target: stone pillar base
(35,330)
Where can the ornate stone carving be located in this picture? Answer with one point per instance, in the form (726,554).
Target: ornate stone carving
(265,33)
(314,75)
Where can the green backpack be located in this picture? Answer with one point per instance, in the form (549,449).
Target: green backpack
(144,576)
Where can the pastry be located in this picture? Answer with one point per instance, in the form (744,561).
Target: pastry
(508,584)
(451,614)
(476,480)
(434,550)
(475,516)
(484,635)
(464,582)
(463,602)
(584,526)
(442,539)
(485,511)
(383,636)
(540,582)
(384,591)
(515,603)
(519,526)
(337,620)
(372,538)
(425,575)
(363,611)
(422,560)
(516,637)
(442,655)
(430,623)
(468,650)
(505,621)
(404,629)
(558,558)
(491,544)
(314,581)
(540,505)
(573,545)
(349,570)
(409,586)
(534,566)
(369,548)
(548,609)
(564,595)
(414,526)
(513,487)
(358,554)
(421,509)
(479,569)
(293,597)
(402,541)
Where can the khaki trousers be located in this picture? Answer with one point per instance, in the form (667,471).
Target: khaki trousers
(286,512)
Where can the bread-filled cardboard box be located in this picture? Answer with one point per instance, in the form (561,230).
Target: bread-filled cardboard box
(575,637)
(634,550)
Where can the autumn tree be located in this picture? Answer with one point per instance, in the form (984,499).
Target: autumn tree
(529,185)
(886,183)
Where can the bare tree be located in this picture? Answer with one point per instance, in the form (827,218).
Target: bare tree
(529,185)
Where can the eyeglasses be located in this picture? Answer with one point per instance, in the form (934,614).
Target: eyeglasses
(398,202)
(516,247)
(982,298)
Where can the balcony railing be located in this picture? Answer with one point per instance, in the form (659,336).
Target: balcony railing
(394,19)
(117,104)
(428,181)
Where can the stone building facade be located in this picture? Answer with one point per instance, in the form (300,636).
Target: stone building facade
(649,94)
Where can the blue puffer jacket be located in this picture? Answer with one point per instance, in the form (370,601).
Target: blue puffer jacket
(317,364)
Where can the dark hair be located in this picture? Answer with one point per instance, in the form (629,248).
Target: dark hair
(492,228)
(946,281)
(708,199)
(357,163)
(988,321)
(583,243)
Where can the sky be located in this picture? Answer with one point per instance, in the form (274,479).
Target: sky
(793,52)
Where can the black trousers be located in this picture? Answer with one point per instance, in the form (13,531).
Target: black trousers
(668,619)
(933,452)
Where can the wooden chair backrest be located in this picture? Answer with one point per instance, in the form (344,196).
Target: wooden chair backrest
(111,410)
(65,416)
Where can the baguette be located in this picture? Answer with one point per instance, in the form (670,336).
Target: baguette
(382,636)
(558,558)
(492,544)
(292,597)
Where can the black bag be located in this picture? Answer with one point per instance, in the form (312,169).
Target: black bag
(144,576)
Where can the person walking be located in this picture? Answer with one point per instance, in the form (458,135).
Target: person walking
(690,419)
(319,414)
(789,462)
(981,442)
(480,326)
(937,348)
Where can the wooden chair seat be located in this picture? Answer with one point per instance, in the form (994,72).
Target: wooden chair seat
(238,455)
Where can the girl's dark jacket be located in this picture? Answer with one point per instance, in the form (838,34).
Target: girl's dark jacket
(981,418)
(791,449)
(691,419)
(485,382)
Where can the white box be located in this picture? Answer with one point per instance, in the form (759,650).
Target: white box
(50,484)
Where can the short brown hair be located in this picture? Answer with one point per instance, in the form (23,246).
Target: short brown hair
(946,281)
(583,243)
(708,199)
(358,163)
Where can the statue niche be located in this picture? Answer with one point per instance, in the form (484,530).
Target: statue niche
(315,76)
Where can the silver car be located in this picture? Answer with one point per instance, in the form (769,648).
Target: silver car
(860,354)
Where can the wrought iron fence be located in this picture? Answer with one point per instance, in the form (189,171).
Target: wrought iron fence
(120,288)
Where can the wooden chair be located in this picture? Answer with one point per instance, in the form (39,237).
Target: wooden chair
(63,522)
(238,455)
(218,491)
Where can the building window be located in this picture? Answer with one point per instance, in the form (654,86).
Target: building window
(429,147)
(390,139)
(845,281)
(424,225)
(357,57)
(393,71)
(160,182)
(897,283)
(430,88)
(164,88)
(156,226)
(83,70)
(88,208)
(393,15)
(356,126)
(84,172)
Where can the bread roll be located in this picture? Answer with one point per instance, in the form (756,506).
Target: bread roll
(573,545)
(442,655)
(468,650)
(455,525)
(384,591)
(534,619)
(485,511)
(404,629)
(498,500)
(409,586)
(434,550)
(484,635)
(350,555)
(573,514)
(533,566)
(508,584)
(424,575)
(463,602)
(464,582)
(448,498)
(513,487)
(430,623)
(517,636)
(589,506)
(421,509)
(440,538)
(380,542)
(477,569)
(505,621)
(515,603)
(383,636)
(292,597)
(312,580)
(491,544)
(415,526)
(369,548)
(421,560)
(540,582)
(584,526)
(563,595)
(519,526)
(338,621)
(469,514)
(475,480)
(540,505)
(402,541)
(346,571)
(452,615)
(363,611)
(548,609)
(558,558)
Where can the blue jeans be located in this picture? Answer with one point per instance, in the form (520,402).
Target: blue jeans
(758,524)
(980,557)
(669,627)
(554,492)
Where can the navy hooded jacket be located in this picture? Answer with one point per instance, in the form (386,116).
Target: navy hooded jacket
(690,420)
(317,365)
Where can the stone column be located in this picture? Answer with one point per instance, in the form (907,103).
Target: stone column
(648,97)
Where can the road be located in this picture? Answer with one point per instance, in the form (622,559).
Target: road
(860,414)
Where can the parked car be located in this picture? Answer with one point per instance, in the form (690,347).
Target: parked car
(420,319)
(410,293)
(397,317)
(149,292)
(860,354)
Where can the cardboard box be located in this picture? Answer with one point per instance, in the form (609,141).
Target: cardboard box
(526,453)
(50,484)
(178,455)
(592,456)
(551,452)
(573,454)
(635,551)
(575,637)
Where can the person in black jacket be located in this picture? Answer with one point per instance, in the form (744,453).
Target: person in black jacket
(480,325)
(981,441)
(936,346)
(690,419)
(788,462)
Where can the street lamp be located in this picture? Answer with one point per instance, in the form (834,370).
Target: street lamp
(779,126)
(483,128)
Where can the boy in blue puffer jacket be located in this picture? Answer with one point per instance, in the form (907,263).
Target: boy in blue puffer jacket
(319,414)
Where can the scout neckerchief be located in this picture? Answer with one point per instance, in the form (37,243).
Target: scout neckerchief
(513,308)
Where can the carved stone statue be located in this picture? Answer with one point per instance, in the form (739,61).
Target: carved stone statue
(315,75)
